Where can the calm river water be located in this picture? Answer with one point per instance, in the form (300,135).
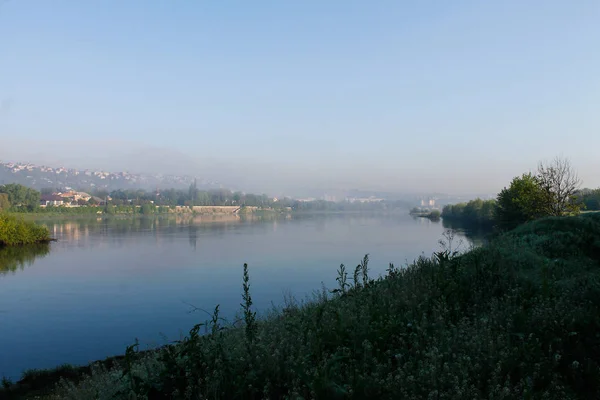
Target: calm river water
(106,282)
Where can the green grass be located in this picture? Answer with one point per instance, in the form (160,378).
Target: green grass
(16,231)
(516,319)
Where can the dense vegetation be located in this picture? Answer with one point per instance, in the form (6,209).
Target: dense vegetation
(18,198)
(552,191)
(426,213)
(224,197)
(14,231)
(590,199)
(516,319)
(475,212)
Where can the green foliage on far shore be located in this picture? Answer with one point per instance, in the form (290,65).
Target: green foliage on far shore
(15,231)
(515,319)
(425,213)
(475,212)
(590,199)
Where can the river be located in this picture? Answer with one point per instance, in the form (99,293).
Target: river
(106,282)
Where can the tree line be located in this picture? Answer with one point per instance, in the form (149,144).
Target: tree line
(19,198)
(552,191)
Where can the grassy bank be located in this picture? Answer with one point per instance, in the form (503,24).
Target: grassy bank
(516,319)
(15,231)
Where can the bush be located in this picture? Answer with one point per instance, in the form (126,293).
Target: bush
(475,212)
(435,214)
(15,231)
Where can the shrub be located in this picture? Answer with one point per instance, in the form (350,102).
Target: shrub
(15,231)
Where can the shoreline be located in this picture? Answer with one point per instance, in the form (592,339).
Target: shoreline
(473,281)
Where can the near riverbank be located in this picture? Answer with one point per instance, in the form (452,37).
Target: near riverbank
(517,318)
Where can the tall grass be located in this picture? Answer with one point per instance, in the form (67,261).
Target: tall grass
(516,319)
(15,231)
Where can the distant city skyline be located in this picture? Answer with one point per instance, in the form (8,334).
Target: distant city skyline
(457,97)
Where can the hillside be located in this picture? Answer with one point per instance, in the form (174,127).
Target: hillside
(518,318)
(39,177)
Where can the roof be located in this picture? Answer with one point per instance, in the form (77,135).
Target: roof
(51,197)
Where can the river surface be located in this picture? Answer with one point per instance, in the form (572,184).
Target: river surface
(106,282)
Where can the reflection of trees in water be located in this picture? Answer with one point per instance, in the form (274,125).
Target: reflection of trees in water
(198,226)
(81,230)
(475,234)
(425,220)
(18,257)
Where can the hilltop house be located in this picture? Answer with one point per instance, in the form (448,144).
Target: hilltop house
(51,200)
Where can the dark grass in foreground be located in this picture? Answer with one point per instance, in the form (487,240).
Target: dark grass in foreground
(516,319)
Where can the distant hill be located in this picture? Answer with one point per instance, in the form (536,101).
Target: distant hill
(39,176)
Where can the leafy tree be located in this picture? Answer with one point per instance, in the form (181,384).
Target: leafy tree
(4,203)
(590,199)
(147,209)
(560,182)
(524,200)
(21,196)
(475,212)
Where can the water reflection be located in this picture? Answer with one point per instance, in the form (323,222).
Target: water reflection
(476,234)
(107,281)
(78,231)
(19,257)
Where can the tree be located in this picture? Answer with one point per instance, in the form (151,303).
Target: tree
(560,182)
(147,209)
(524,200)
(590,199)
(4,203)
(21,196)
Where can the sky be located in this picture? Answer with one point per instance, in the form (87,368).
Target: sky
(441,96)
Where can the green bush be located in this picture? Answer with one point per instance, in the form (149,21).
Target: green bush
(475,212)
(435,214)
(15,231)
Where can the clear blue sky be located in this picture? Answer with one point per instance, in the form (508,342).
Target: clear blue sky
(455,96)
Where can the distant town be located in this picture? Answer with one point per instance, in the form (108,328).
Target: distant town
(72,186)
(41,176)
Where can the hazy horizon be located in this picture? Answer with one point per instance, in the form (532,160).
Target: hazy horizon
(280,97)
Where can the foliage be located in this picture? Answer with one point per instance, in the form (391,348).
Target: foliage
(425,213)
(21,197)
(560,183)
(516,319)
(524,200)
(475,212)
(590,199)
(435,214)
(551,192)
(147,209)
(15,231)
(4,203)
